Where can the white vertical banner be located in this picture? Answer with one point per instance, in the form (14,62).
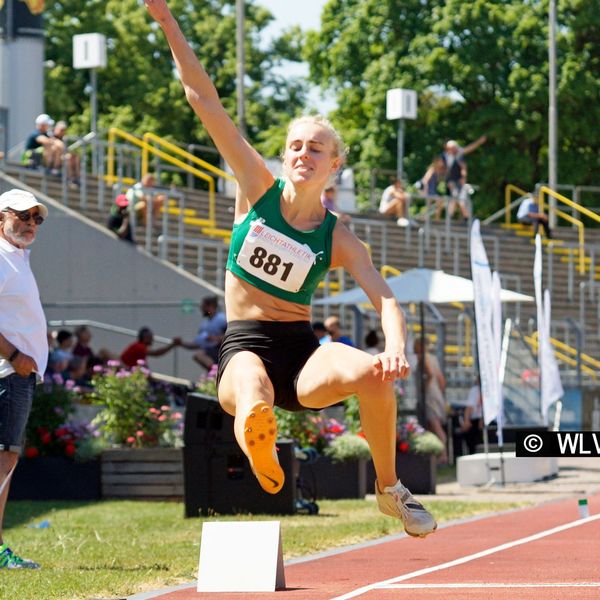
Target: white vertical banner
(497,329)
(551,388)
(486,347)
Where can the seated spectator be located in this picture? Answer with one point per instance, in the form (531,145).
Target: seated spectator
(210,333)
(332,324)
(77,371)
(328,200)
(64,344)
(529,213)
(43,150)
(71,159)
(394,201)
(118,220)
(141,196)
(83,336)
(319,330)
(372,343)
(140,350)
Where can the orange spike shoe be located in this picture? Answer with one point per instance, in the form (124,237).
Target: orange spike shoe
(260,434)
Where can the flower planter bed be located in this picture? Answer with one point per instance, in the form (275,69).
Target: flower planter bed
(334,480)
(55,478)
(416,471)
(142,473)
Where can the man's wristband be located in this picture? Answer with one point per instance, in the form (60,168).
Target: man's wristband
(14,355)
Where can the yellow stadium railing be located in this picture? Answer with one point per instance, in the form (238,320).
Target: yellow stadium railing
(565,358)
(546,191)
(507,200)
(110,177)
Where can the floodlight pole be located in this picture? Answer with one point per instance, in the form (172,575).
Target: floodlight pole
(400,154)
(94,116)
(241,66)
(552,111)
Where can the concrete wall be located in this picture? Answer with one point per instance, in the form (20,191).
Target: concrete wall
(21,85)
(82,270)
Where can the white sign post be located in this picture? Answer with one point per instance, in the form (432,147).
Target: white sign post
(89,52)
(401,104)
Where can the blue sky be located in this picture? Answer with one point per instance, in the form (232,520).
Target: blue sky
(307,14)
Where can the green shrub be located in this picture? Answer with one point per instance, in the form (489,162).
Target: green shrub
(348,446)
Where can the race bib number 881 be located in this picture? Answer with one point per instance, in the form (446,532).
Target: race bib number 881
(275,258)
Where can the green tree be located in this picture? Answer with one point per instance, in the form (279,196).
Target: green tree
(479,66)
(139,90)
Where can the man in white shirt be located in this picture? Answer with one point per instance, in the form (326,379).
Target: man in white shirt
(23,341)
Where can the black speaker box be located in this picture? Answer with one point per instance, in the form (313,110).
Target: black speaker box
(217,474)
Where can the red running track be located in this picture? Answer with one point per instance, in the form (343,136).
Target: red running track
(544,552)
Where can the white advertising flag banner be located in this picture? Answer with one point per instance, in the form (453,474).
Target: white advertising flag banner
(551,388)
(497,329)
(486,347)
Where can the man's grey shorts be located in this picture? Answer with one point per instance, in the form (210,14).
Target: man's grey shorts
(16,394)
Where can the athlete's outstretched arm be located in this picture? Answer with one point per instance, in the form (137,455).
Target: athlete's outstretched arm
(350,253)
(248,166)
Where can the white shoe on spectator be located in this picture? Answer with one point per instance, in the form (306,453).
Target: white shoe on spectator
(402,222)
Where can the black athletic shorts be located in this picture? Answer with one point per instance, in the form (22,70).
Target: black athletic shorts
(284,348)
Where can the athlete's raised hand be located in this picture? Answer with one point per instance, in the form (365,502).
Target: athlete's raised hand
(158,9)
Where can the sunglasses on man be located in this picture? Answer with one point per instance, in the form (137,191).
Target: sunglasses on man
(25,216)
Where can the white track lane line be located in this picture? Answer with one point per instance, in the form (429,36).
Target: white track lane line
(470,586)
(468,558)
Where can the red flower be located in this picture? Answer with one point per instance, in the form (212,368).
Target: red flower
(362,435)
(46,438)
(70,450)
(61,431)
(403,447)
(31,452)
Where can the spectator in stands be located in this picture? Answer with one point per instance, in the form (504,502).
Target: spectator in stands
(71,159)
(41,149)
(472,424)
(433,184)
(210,333)
(529,213)
(119,220)
(372,343)
(436,408)
(140,350)
(394,201)
(328,200)
(332,324)
(456,175)
(77,371)
(83,336)
(142,198)
(320,332)
(63,353)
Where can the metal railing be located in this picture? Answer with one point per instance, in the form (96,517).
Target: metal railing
(202,247)
(54,323)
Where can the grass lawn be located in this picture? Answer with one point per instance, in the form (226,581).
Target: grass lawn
(112,549)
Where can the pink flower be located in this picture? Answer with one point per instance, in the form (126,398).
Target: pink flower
(162,418)
(154,411)
(130,439)
(177,415)
(139,433)
(165,408)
